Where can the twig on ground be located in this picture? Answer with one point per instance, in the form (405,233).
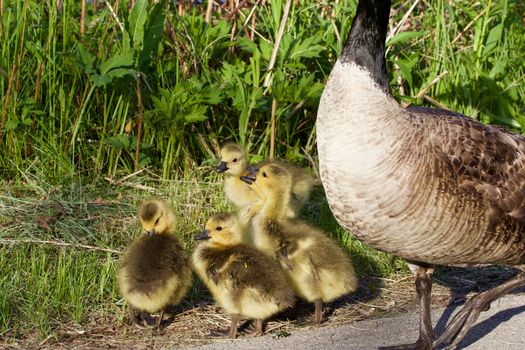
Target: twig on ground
(6,241)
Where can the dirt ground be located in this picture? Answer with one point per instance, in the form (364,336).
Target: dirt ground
(190,325)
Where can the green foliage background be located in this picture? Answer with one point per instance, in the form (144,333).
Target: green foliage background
(69,101)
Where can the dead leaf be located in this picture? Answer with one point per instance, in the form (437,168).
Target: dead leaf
(43,221)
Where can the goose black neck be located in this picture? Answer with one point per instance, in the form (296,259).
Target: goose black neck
(366,42)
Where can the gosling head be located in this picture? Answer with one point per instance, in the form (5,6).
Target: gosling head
(156,217)
(269,179)
(222,229)
(233,160)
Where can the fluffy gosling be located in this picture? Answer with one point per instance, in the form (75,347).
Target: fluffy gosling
(243,281)
(155,271)
(319,269)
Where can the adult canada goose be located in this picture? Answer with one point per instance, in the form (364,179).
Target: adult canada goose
(243,280)
(155,271)
(429,185)
(320,271)
(234,164)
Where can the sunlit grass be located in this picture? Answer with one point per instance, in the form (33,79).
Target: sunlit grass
(72,106)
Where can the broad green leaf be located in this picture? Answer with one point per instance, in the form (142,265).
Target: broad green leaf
(120,72)
(213,96)
(120,141)
(307,48)
(266,50)
(99,80)
(406,71)
(196,116)
(152,34)
(247,45)
(86,58)
(492,39)
(117,61)
(11,123)
(137,20)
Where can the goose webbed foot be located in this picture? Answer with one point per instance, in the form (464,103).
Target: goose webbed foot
(140,319)
(467,316)
(421,344)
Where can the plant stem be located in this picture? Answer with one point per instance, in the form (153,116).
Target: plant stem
(83,17)
(277,43)
(272,132)
(139,123)
(4,111)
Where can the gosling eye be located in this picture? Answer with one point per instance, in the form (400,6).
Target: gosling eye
(264,174)
(218,228)
(234,160)
(157,221)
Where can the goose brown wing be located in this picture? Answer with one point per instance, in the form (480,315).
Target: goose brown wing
(484,161)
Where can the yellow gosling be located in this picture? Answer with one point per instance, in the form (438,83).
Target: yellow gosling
(243,281)
(319,269)
(155,271)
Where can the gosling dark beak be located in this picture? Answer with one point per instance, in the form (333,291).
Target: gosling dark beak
(252,169)
(202,236)
(222,167)
(252,173)
(150,233)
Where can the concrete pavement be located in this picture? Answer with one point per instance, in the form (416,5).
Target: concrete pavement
(502,328)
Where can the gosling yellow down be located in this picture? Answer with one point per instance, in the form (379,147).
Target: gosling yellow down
(155,271)
(243,281)
(319,269)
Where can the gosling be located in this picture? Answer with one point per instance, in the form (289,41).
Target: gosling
(243,281)
(155,271)
(234,164)
(319,269)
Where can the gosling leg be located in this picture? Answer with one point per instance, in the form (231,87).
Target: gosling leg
(225,333)
(159,320)
(318,313)
(233,327)
(258,328)
(132,316)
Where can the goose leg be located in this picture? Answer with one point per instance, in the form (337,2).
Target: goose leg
(423,288)
(467,316)
(225,333)
(318,313)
